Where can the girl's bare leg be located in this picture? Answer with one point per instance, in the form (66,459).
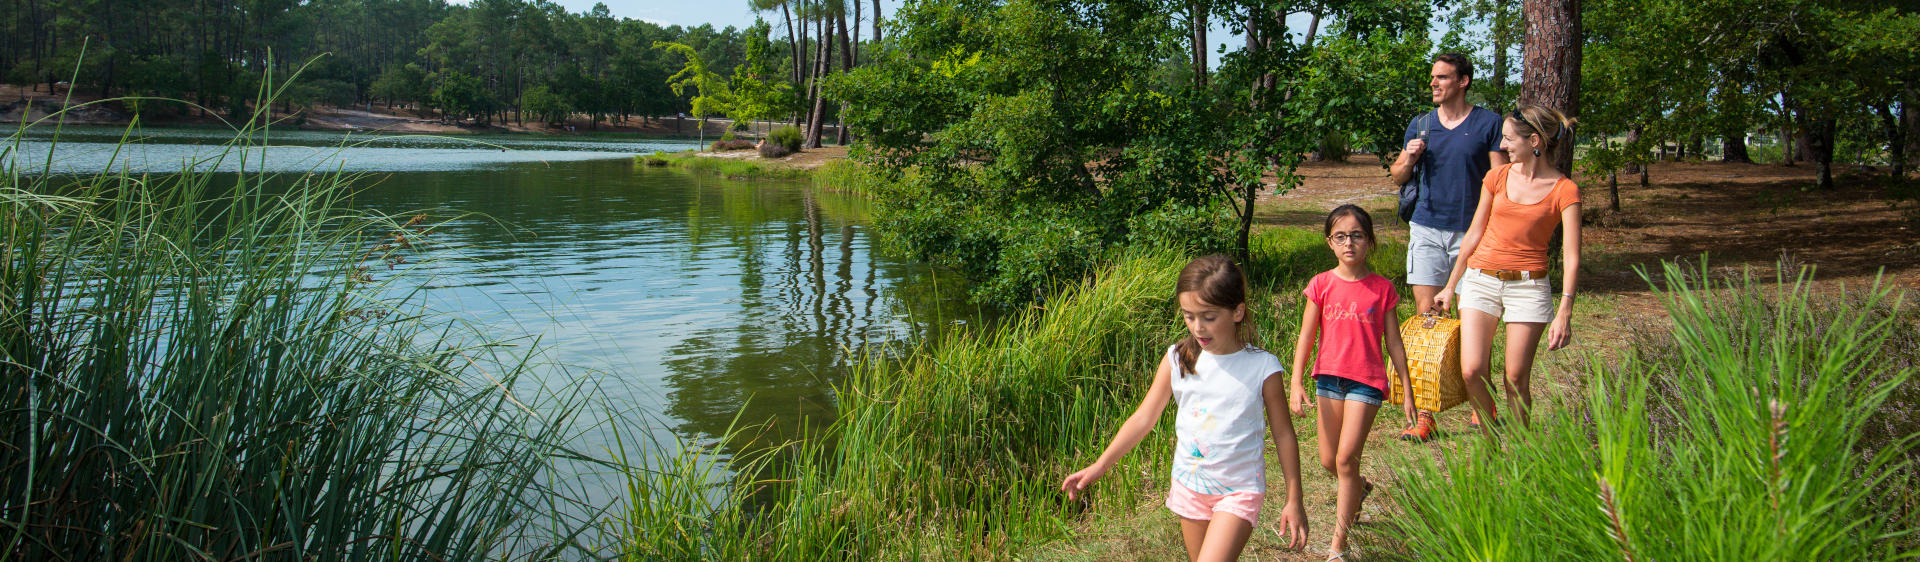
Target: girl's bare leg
(1195,533)
(1226,536)
(1357,419)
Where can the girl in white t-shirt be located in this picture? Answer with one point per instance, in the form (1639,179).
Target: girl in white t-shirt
(1226,389)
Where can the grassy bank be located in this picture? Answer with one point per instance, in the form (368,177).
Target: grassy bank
(198,366)
(956,451)
(745,166)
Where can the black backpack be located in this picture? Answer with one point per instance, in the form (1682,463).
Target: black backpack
(1410,193)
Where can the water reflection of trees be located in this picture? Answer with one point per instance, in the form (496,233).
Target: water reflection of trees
(813,292)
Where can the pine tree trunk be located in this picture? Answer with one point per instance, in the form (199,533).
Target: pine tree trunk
(876,22)
(846,65)
(1552,75)
(1197,19)
(818,104)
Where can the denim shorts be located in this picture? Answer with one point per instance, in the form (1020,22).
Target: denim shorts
(1342,388)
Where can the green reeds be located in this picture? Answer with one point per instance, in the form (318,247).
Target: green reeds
(196,370)
(1733,434)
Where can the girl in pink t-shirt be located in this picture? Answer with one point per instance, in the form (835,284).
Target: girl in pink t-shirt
(1349,313)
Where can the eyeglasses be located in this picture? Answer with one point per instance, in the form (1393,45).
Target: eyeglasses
(1344,238)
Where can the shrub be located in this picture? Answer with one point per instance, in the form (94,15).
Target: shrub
(725,145)
(770,149)
(788,137)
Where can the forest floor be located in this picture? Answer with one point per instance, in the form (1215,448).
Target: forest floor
(1748,217)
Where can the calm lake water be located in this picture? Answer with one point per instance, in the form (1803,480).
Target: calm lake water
(684,298)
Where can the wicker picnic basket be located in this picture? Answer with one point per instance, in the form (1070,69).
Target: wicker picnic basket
(1433,354)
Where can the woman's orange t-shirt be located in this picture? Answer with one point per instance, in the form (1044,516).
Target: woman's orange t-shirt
(1517,235)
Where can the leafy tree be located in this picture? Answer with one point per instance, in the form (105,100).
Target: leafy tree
(401,82)
(759,94)
(712,95)
(548,106)
(459,95)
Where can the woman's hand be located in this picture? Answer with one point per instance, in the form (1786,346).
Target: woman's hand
(1078,481)
(1442,299)
(1298,402)
(1560,334)
(1293,525)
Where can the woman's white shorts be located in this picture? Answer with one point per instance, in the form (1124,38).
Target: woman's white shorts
(1528,300)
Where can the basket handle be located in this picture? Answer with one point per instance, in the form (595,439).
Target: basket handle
(1430,319)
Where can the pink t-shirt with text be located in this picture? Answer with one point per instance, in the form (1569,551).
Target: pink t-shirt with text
(1354,316)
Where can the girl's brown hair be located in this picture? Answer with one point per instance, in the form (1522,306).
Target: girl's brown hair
(1218,282)
(1350,210)
(1555,130)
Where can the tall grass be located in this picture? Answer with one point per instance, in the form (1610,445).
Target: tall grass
(1734,434)
(195,370)
(956,450)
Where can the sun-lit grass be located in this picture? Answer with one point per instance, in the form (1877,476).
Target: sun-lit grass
(1745,430)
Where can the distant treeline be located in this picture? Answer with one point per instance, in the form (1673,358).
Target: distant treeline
(483,60)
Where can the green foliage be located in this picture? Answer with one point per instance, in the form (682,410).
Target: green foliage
(1030,147)
(401,82)
(787,136)
(1739,432)
(544,104)
(758,92)
(712,95)
(1367,86)
(459,95)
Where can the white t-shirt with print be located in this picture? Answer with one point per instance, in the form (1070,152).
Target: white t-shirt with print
(1218,446)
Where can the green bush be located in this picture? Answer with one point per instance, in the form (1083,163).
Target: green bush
(1740,431)
(787,136)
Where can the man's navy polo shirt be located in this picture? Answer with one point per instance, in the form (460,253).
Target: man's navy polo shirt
(1455,163)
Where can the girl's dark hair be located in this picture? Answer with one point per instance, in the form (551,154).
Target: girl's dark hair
(1555,130)
(1218,282)
(1366,220)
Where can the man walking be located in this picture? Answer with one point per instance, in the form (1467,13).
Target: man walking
(1448,152)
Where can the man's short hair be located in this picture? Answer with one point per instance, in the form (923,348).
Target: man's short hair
(1461,65)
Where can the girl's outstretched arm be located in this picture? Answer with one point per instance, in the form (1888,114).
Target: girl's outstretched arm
(1298,401)
(1131,432)
(1397,352)
(1560,333)
(1293,517)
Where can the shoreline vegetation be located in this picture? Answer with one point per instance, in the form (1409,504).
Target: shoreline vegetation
(197,365)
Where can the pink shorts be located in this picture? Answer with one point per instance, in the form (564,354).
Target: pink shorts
(1194,505)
